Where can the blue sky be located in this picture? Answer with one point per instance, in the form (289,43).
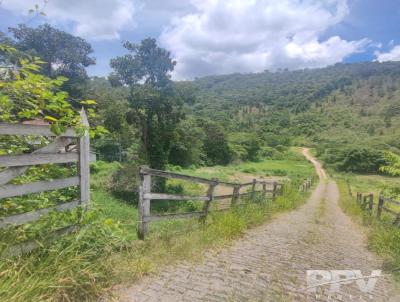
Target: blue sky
(224,36)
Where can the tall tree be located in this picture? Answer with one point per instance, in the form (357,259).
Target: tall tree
(64,54)
(155,107)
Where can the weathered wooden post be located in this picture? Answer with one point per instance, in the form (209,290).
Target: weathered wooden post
(264,188)
(210,195)
(274,190)
(359,198)
(380,206)
(253,188)
(364,203)
(371,202)
(235,195)
(84,161)
(349,187)
(144,203)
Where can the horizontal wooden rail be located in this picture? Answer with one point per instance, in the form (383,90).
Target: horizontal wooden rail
(38,186)
(12,172)
(389,200)
(219,197)
(30,245)
(166,174)
(389,210)
(252,192)
(146,196)
(37,159)
(172,216)
(42,130)
(158,196)
(160,173)
(20,219)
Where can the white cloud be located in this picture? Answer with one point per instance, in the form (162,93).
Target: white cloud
(392,55)
(253,35)
(92,19)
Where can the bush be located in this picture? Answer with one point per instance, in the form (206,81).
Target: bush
(124,182)
(354,159)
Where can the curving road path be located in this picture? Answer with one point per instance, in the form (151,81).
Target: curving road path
(269,263)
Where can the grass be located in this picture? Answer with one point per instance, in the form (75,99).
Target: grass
(383,237)
(106,252)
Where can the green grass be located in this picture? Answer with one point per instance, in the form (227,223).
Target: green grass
(105,252)
(294,166)
(383,237)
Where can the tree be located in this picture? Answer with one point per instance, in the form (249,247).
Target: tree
(146,63)
(64,54)
(392,167)
(155,108)
(216,145)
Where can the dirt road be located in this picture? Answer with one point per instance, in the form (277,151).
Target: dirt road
(269,263)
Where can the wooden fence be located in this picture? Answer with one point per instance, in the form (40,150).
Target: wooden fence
(306,185)
(367,203)
(146,196)
(16,165)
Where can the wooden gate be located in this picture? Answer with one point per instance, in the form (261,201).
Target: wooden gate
(16,165)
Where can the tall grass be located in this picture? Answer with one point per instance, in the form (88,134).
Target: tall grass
(383,237)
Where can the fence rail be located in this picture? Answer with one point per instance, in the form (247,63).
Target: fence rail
(366,202)
(16,165)
(146,196)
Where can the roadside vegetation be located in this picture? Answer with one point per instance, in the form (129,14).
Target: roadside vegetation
(383,237)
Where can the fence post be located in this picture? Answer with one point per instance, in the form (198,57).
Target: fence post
(264,188)
(235,195)
(253,188)
(210,195)
(371,202)
(349,187)
(144,204)
(364,203)
(380,205)
(84,161)
(274,190)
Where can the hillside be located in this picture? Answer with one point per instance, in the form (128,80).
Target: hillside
(331,108)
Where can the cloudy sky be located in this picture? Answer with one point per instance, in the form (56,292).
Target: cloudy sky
(225,36)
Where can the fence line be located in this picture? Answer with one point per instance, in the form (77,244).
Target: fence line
(366,203)
(306,186)
(146,196)
(16,165)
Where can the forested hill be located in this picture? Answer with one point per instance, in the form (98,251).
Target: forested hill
(296,89)
(350,112)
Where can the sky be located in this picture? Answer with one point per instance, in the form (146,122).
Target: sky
(208,37)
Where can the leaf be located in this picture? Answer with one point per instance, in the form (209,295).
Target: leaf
(50,118)
(88,102)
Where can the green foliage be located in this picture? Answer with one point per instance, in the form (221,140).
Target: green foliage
(26,95)
(187,145)
(245,146)
(393,164)
(154,108)
(354,159)
(383,237)
(216,145)
(64,54)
